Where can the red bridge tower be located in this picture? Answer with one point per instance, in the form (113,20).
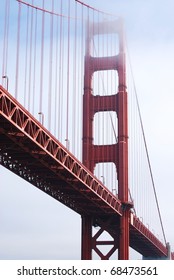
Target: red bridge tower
(116,153)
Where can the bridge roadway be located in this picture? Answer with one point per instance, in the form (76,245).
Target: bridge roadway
(30,151)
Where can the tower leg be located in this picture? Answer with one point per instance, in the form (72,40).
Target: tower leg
(86,253)
(123,252)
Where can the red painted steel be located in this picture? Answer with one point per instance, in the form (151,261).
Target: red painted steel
(86,251)
(124,232)
(30,151)
(141,238)
(42,143)
(122,114)
(116,153)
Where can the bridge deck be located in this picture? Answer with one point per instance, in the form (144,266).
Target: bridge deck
(30,151)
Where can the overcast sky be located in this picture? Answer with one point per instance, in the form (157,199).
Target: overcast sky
(35,226)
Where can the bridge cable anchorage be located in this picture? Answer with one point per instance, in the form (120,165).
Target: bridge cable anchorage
(146,148)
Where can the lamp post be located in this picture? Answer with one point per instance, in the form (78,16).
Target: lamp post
(103,180)
(42,118)
(67,143)
(7,81)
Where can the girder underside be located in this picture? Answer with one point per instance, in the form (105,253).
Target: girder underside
(30,168)
(144,246)
(35,170)
(71,185)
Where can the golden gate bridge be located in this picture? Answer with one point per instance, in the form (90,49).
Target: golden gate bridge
(65,126)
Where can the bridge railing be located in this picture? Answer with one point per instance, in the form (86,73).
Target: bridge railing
(146,236)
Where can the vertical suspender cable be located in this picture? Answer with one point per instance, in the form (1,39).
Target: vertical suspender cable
(18,49)
(68,77)
(147,154)
(61,69)
(26,58)
(50,68)
(81,69)
(30,60)
(34,63)
(60,72)
(56,106)
(42,59)
(5,42)
(74,109)
(103,128)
